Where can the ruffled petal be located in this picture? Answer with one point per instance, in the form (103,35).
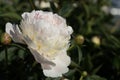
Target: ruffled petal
(9,28)
(46,64)
(14,32)
(25,15)
(62,61)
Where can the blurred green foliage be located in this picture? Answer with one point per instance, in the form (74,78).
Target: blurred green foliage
(100,62)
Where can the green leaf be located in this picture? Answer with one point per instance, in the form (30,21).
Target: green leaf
(95,77)
(70,74)
(97,69)
(79,55)
(11,15)
(10,53)
(88,65)
(116,62)
(66,10)
(21,53)
(86,8)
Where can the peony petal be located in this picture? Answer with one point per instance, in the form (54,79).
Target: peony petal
(70,30)
(25,15)
(40,59)
(29,42)
(62,61)
(14,32)
(9,28)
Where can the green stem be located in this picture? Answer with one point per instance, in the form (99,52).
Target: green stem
(6,62)
(32,4)
(6,56)
(33,65)
(18,46)
(51,6)
(76,65)
(71,47)
(81,78)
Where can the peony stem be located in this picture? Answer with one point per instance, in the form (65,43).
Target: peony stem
(75,65)
(81,78)
(6,56)
(6,61)
(32,4)
(18,46)
(71,47)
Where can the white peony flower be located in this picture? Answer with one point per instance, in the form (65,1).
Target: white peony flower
(47,36)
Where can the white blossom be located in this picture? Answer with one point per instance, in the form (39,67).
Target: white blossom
(47,36)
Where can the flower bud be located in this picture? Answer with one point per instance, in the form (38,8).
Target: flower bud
(65,79)
(96,40)
(84,73)
(79,39)
(5,39)
(44,4)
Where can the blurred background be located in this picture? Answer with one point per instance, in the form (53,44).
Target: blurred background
(95,43)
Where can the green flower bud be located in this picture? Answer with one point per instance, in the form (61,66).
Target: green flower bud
(79,39)
(84,73)
(5,39)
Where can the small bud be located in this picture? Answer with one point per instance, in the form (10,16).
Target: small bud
(105,9)
(96,40)
(5,39)
(44,4)
(79,39)
(84,73)
(63,78)
(75,5)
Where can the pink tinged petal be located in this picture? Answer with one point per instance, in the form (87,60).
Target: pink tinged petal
(14,32)
(62,61)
